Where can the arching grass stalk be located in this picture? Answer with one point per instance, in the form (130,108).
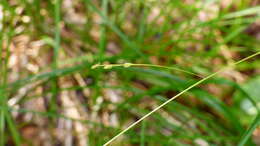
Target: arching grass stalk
(109,66)
(246,135)
(171,99)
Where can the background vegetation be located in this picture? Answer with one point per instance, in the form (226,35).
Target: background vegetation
(49,95)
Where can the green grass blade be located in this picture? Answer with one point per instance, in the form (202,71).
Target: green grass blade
(54,89)
(220,107)
(249,11)
(143,133)
(2,128)
(13,129)
(249,131)
(102,42)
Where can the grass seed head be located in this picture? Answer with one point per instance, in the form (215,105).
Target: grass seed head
(95,66)
(127,65)
(109,66)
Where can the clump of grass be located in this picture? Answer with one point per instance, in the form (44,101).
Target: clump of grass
(190,39)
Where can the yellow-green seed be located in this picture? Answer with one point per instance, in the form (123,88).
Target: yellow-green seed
(127,64)
(108,66)
(95,66)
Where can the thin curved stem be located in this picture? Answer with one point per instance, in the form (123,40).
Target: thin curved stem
(109,66)
(174,97)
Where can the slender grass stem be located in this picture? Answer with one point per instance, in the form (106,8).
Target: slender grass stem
(102,42)
(57,32)
(108,66)
(55,55)
(2,128)
(143,133)
(174,97)
(2,90)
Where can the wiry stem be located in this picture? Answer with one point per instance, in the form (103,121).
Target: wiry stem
(174,97)
(109,66)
